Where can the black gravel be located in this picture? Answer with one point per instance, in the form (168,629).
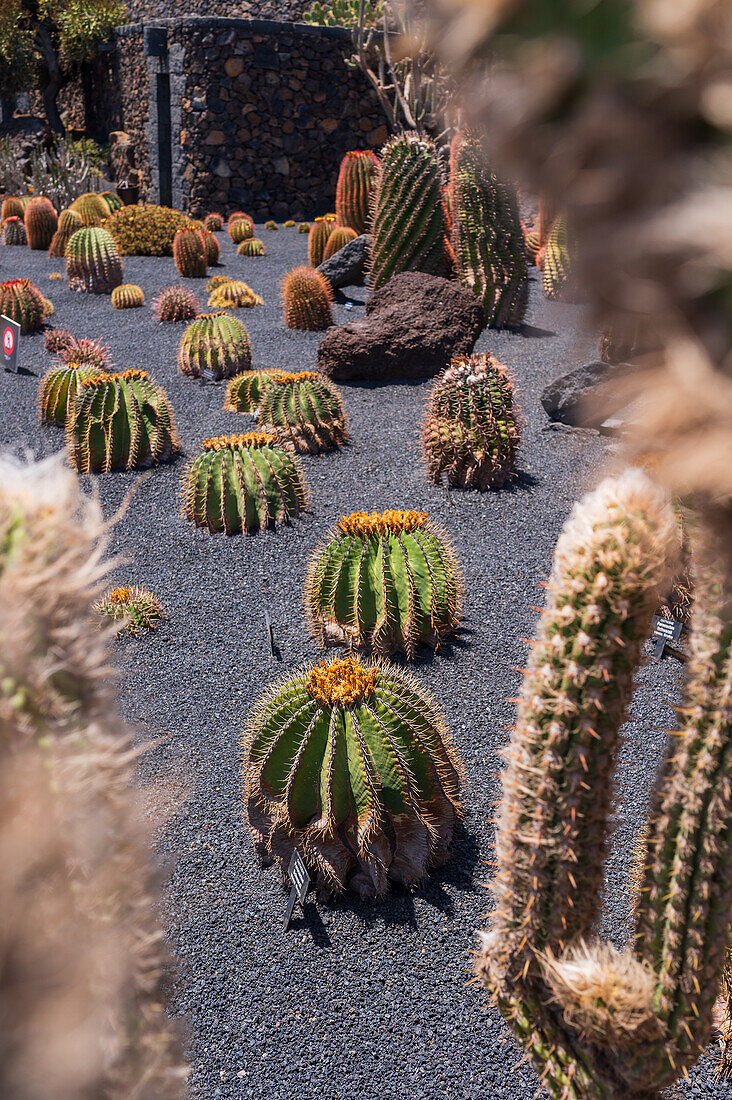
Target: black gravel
(361,999)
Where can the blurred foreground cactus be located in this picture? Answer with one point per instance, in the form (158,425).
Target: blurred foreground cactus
(352,765)
(357,177)
(305,409)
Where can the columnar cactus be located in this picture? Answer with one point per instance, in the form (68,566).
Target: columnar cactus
(556,265)
(318,236)
(487,237)
(243,482)
(11,208)
(22,302)
(251,247)
(305,408)
(92,262)
(68,223)
(306,297)
(58,390)
(41,222)
(234,294)
(340,237)
(241,229)
(215,346)
(91,208)
(244,391)
(213,222)
(469,433)
(137,608)
(356,180)
(120,422)
(127,296)
(189,253)
(409,223)
(175,303)
(384,583)
(352,765)
(14,231)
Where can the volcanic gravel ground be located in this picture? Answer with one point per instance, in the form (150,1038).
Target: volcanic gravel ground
(361,999)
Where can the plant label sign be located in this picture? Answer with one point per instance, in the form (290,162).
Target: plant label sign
(664,632)
(9,338)
(300,880)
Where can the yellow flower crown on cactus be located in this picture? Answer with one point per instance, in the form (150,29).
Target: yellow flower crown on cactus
(345,682)
(247,439)
(281,377)
(364,525)
(130,375)
(121,595)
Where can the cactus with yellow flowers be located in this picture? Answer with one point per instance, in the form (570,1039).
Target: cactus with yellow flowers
(357,177)
(306,298)
(243,483)
(127,296)
(289,224)
(68,223)
(22,302)
(93,264)
(244,391)
(41,222)
(13,231)
(470,433)
(251,247)
(317,238)
(384,582)
(120,422)
(58,389)
(189,253)
(339,238)
(133,606)
(214,346)
(352,765)
(234,294)
(305,408)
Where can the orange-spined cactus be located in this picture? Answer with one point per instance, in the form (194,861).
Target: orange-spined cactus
(41,222)
(341,236)
(189,253)
(307,296)
(356,179)
(320,230)
(68,223)
(21,301)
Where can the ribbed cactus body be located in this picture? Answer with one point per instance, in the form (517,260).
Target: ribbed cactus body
(339,238)
(251,247)
(469,434)
(215,346)
(303,227)
(234,294)
(243,483)
(11,208)
(385,583)
(120,422)
(320,230)
(241,229)
(22,302)
(211,248)
(58,390)
(272,226)
(41,222)
(13,231)
(532,245)
(306,298)
(216,281)
(289,224)
(135,606)
(352,766)
(356,180)
(68,223)
(487,237)
(189,253)
(113,201)
(92,262)
(127,296)
(213,222)
(305,408)
(556,263)
(91,208)
(409,224)
(175,303)
(244,391)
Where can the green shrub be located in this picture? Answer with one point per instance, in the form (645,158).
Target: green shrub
(146,230)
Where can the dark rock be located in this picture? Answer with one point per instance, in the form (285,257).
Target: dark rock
(414,324)
(347,267)
(587,395)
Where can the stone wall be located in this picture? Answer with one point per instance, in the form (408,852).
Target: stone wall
(282,10)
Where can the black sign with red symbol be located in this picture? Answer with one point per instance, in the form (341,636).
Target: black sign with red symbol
(10,336)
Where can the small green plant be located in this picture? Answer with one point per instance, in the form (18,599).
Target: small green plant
(137,608)
(215,346)
(305,408)
(344,13)
(14,231)
(243,483)
(352,766)
(234,294)
(289,224)
(384,583)
(127,296)
(318,237)
(251,247)
(41,222)
(356,181)
(22,302)
(92,262)
(306,297)
(339,238)
(58,389)
(213,222)
(68,223)
(175,303)
(244,391)
(303,227)
(189,253)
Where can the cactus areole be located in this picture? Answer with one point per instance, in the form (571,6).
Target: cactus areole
(351,764)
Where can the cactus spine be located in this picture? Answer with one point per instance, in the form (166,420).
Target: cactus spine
(210,247)
(215,346)
(22,302)
(243,482)
(487,237)
(92,262)
(58,390)
(352,765)
(251,247)
(306,297)
(234,294)
(41,222)
(356,180)
(317,238)
(338,239)
(241,229)
(189,253)
(127,296)
(68,223)
(137,608)
(244,391)
(383,582)
(14,231)
(303,227)
(409,223)
(175,303)
(305,408)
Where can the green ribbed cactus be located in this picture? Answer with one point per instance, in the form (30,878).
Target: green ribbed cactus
(356,180)
(234,294)
(127,296)
(306,299)
(352,766)
(339,238)
(385,583)
(251,247)
(41,222)
(23,302)
(120,422)
(68,223)
(91,208)
(137,608)
(306,410)
(599,1024)
(318,237)
(243,482)
(303,227)
(215,346)
(92,262)
(469,433)
(556,263)
(13,230)
(244,391)
(113,201)
(409,224)
(272,226)
(58,389)
(189,253)
(241,229)
(487,237)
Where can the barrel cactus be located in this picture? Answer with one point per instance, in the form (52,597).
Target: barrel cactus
(137,608)
(211,248)
(303,227)
(352,765)
(244,391)
(68,223)
(127,296)
(289,224)
(251,247)
(409,225)
(58,390)
(339,238)
(531,244)
(356,180)
(120,422)
(234,294)
(189,253)
(470,434)
(271,226)
(12,207)
(384,582)
(175,303)
(306,297)
(305,408)
(216,281)
(241,229)
(243,482)
(91,208)
(113,201)
(215,346)
(318,236)
(14,231)
(23,303)
(213,222)
(92,262)
(556,265)
(41,222)
(86,353)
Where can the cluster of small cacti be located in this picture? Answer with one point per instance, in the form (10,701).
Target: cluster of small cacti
(215,346)
(87,353)
(384,582)
(306,297)
(127,296)
(243,483)
(341,236)
(251,247)
(175,303)
(189,253)
(244,391)
(557,263)
(68,223)
(234,294)
(213,222)
(41,222)
(305,408)
(13,231)
(120,422)
(23,303)
(137,608)
(216,281)
(92,262)
(352,765)
(318,235)
(271,225)
(91,208)
(356,181)
(469,433)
